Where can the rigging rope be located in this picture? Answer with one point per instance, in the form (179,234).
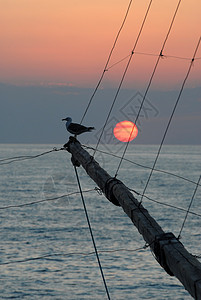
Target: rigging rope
(142,166)
(149,54)
(45,200)
(7,161)
(191,202)
(91,232)
(124,74)
(46,256)
(99,191)
(171,116)
(24,157)
(149,84)
(108,60)
(27,157)
(166,204)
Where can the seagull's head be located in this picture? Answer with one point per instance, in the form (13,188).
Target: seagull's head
(67,119)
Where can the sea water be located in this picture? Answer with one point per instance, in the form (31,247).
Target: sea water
(46,250)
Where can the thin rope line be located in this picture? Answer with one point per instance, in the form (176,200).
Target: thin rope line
(113,103)
(88,147)
(124,74)
(149,54)
(165,204)
(116,63)
(171,116)
(170,28)
(149,84)
(99,191)
(177,57)
(108,60)
(7,161)
(190,204)
(45,200)
(47,256)
(91,232)
(142,166)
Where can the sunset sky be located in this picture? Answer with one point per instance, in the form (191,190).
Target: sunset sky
(68,42)
(53,52)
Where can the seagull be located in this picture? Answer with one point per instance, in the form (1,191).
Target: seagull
(75,128)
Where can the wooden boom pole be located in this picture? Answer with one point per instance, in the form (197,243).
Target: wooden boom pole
(168,250)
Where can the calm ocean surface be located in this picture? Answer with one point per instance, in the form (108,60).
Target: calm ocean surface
(60,227)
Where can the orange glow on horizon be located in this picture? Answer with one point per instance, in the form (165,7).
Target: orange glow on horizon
(125,131)
(69,41)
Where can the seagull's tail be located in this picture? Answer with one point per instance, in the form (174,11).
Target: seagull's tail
(90,128)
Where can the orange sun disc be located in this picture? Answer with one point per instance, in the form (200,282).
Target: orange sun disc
(125,131)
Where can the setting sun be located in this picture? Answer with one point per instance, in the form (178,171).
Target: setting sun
(125,131)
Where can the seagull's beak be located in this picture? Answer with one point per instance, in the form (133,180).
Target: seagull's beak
(63,119)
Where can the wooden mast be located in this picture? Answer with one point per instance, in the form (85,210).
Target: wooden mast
(168,250)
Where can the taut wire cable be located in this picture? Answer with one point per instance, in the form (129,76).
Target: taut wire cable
(45,200)
(48,256)
(171,116)
(97,190)
(124,74)
(108,60)
(165,204)
(91,232)
(27,157)
(149,84)
(9,160)
(143,166)
(190,204)
(149,54)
